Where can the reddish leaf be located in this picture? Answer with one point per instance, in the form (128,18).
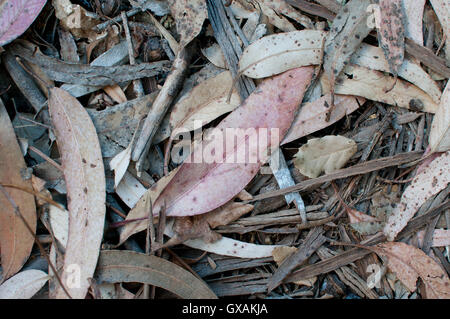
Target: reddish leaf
(16,16)
(198,188)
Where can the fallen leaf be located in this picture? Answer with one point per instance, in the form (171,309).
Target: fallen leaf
(275,10)
(16,16)
(119,164)
(326,154)
(348,30)
(277,53)
(391,32)
(413,19)
(312,116)
(189,17)
(442,9)
(227,246)
(372,57)
(281,253)
(85,181)
(15,240)
(199,187)
(430,181)
(59,222)
(441,237)
(215,55)
(76,19)
(116,266)
(130,190)
(205,102)
(409,263)
(116,93)
(23,285)
(356,80)
(439,138)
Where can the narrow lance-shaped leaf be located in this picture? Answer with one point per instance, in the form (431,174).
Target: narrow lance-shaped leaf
(348,30)
(23,285)
(213,174)
(85,181)
(15,240)
(439,139)
(16,16)
(430,181)
(391,32)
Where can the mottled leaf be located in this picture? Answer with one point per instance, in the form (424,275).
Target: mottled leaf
(430,181)
(391,32)
(413,19)
(85,181)
(348,30)
(277,53)
(409,263)
(189,16)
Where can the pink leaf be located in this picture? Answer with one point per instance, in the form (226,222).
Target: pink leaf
(198,188)
(16,16)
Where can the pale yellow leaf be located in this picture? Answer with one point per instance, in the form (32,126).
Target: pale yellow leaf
(326,154)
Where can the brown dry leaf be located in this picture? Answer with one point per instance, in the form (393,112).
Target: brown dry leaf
(326,154)
(409,263)
(116,93)
(116,266)
(119,164)
(348,30)
(85,181)
(281,253)
(430,181)
(215,55)
(140,210)
(356,80)
(313,115)
(23,285)
(413,19)
(276,9)
(277,53)
(76,19)
(15,240)
(442,9)
(205,102)
(439,139)
(201,226)
(189,16)
(391,32)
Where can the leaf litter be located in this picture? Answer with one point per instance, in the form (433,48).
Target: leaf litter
(357,91)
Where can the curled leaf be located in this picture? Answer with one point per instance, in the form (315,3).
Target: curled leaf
(116,266)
